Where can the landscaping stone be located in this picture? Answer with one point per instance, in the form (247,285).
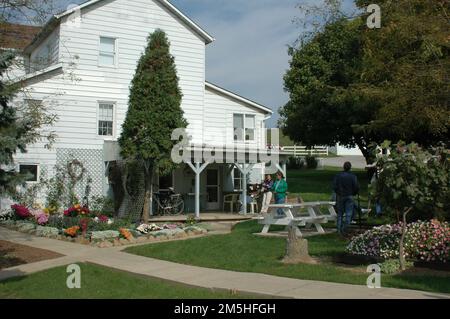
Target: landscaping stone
(141,239)
(46,231)
(103,235)
(105,244)
(124,241)
(108,238)
(196,230)
(25,227)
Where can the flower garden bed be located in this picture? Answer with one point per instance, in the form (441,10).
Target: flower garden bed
(79,225)
(425,242)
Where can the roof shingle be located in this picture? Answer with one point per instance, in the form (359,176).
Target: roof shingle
(17,36)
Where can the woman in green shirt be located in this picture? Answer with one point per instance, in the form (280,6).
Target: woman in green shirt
(279,189)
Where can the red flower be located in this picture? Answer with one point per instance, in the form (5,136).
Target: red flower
(21,211)
(103,218)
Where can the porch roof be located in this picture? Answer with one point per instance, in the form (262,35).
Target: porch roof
(241,153)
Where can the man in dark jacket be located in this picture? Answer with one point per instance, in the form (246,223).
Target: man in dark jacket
(345,185)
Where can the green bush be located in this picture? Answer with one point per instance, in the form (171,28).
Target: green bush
(415,178)
(311,162)
(392,266)
(295,163)
(102,205)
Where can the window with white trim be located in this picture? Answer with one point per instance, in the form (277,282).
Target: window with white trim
(107,54)
(105,119)
(237,179)
(31,171)
(244,127)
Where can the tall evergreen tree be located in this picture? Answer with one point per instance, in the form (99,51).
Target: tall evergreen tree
(10,133)
(154,112)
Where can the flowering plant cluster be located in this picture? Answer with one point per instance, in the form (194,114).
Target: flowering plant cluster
(146,228)
(76,211)
(40,216)
(379,242)
(428,241)
(72,231)
(21,211)
(103,219)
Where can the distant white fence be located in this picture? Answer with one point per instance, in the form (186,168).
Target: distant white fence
(297,151)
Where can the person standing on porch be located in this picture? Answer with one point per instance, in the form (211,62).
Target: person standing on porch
(267,193)
(345,185)
(279,189)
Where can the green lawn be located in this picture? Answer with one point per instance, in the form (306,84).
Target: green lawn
(101,282)
(315,185)
(243,251)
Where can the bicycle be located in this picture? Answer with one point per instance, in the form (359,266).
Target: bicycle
(168,203)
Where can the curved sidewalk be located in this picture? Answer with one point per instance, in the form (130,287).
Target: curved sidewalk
(197,276)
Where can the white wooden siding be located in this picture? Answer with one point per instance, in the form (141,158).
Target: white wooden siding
(138,18)
(77,90)
(218,119)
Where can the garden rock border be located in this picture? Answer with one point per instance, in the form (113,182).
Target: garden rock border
(105,239)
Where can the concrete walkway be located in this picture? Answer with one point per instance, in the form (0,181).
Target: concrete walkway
(196,276)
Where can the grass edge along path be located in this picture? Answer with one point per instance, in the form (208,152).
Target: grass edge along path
(106,283)
(242,251)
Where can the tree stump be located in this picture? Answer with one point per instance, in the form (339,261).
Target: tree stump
(297,249)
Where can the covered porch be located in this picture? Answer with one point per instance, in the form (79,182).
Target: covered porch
(216,175)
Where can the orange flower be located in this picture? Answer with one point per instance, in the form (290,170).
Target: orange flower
(72,231)
(125,233)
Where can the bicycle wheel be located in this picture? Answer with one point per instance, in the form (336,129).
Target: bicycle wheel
(178,207)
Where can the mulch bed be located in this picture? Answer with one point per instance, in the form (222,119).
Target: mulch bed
(12,254)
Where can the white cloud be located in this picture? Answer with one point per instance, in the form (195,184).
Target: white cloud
(249,55)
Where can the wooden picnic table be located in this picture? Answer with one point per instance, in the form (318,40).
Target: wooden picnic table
(294,217)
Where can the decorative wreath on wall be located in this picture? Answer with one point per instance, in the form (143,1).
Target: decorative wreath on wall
(76,170)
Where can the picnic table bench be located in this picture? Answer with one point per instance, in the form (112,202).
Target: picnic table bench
(293,216)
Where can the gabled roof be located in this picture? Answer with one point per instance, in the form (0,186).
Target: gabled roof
(238,97)
(17,36)
(54,21)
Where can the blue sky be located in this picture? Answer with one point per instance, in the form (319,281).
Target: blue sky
(249,56)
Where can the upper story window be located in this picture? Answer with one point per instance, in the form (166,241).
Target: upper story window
(244,127)
(106,119)
(107,54)
(31,171)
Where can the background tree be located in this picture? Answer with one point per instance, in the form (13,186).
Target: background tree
(354,85)
(154,112)
(413,181)
(20,125)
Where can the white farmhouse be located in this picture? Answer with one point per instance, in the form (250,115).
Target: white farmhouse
(84,59)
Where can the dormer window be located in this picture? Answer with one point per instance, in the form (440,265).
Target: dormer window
(108,52)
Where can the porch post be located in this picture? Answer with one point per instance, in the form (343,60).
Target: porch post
(244,171)
(197,190)
(244,188)
(285,171)
(198,169)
